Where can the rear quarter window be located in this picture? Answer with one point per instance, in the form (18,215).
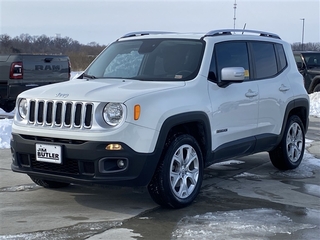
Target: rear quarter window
(282,60)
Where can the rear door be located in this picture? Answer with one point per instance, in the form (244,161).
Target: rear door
(270,66)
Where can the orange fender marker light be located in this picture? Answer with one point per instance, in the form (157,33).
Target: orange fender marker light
(137,110)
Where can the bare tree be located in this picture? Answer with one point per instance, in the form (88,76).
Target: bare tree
(80,55)
(306,46)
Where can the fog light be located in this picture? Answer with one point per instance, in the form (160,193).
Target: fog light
(114,146)
(121,163)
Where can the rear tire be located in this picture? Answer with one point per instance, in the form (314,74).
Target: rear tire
(289,153)
(178,178)
(317,88)
(48,184)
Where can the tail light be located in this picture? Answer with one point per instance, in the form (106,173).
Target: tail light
(16,70)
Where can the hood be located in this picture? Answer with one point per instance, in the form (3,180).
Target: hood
(98,90)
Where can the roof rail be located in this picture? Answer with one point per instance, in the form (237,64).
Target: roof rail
(141,33)
(230,31)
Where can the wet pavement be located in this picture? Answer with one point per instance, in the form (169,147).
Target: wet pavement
(245,198)
(258,203)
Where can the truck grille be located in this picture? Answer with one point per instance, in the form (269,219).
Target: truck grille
(62,114)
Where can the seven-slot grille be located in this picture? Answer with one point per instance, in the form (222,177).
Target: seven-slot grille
(66,114)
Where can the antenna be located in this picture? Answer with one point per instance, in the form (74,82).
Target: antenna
(234,13)
(244,27)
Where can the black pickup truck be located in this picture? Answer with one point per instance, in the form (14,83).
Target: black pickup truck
(20,72)
(308,63)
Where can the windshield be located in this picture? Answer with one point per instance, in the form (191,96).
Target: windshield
(149,59)
(312,59)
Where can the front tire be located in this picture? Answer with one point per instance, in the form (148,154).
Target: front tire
(289,153)
(48,184)
(178,178)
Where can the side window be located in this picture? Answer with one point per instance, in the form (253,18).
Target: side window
(282,61)
(231,54)
(213,68)
(264,59)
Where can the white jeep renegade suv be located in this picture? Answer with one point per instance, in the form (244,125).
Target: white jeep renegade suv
(155,108)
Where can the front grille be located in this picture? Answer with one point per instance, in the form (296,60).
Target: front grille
(64,114)
(68,167)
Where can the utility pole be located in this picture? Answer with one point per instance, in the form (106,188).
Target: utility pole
(234,13)
(302,33)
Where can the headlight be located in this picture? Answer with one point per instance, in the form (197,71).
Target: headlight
(23,108)
(113,113)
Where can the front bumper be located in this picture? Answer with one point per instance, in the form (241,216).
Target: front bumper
(83,162)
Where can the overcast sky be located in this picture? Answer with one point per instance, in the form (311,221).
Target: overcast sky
(103,21)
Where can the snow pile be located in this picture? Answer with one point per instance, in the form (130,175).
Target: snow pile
(241,224)
(5,132)
(315,104)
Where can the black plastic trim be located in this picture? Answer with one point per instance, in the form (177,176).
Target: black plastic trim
(236,148)
(180,120)
(139,171)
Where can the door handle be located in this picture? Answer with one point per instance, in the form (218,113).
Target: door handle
(283,88)
(251,94)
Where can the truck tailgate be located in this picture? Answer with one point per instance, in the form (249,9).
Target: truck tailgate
(46,68)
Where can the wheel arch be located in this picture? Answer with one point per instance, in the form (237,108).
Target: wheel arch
(196,124)
(299,107)
(315,81)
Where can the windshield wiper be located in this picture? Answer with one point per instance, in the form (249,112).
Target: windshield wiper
(89,76)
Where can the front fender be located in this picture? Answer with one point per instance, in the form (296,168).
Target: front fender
(183,119)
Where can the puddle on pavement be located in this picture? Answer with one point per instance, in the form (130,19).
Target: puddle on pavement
(307,188)
(223,214)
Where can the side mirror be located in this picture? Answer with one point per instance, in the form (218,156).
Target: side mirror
(232,74)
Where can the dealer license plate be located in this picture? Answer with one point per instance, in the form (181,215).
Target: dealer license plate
(48,153)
